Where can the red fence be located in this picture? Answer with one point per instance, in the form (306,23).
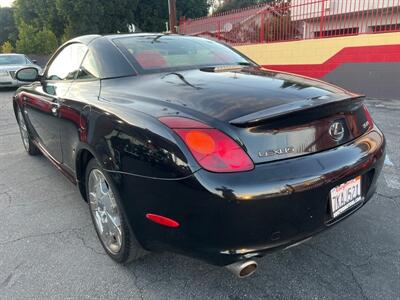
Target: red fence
(297,20)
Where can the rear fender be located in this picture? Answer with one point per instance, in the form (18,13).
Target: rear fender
(130,142)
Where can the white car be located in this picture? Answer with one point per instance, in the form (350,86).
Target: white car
(10,64)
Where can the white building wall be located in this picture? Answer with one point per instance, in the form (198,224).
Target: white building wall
(306,9)
(343,14)
(364,25)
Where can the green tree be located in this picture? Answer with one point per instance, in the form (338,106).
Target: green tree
(7,47)
(192,8)
(96,16)
(25,42)
(8,30)
(40,14)
(33,41)
(152,15)
(117,15)
(80,16)
(69,18)
(46,41)
(237,4)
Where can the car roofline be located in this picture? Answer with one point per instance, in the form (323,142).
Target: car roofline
(84,39)
(13,54)
(87,39)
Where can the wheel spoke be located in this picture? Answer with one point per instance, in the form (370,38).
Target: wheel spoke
(115,223)
(93,200)
(104,209)
(99,222)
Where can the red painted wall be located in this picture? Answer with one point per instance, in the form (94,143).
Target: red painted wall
(364,54)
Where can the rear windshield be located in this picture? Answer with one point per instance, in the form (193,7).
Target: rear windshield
(12,60)
(158,53)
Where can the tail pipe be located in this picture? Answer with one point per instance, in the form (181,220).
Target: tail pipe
(243,269)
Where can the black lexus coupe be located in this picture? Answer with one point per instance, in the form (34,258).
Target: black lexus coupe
(183,144)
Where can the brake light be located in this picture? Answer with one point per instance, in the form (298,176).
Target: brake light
(368,116)
(213,150)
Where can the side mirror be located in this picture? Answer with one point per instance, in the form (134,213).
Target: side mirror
(27,74)
(34,61)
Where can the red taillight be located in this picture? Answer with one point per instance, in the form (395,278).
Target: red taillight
(213,149)
(368,116)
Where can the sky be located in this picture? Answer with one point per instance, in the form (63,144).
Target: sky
(5,2)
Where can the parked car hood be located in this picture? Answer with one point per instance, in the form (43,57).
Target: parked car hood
(17,67)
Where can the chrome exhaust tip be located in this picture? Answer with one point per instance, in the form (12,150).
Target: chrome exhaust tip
(243,269)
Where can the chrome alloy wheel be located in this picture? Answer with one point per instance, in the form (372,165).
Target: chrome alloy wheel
(105,212)
(23,130)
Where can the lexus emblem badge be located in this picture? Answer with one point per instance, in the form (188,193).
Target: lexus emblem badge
(336,131)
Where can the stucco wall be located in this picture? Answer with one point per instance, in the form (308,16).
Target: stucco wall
(327,58)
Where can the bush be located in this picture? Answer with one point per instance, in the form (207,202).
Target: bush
(7,47)
(46,41)
(32,41)
(25,42)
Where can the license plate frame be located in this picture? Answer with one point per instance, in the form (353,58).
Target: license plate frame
(345,196)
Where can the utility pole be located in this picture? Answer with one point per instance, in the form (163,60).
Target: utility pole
(172,15)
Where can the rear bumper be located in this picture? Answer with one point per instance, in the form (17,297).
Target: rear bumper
(230,217)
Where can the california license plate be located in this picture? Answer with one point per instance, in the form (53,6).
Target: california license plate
(345,196)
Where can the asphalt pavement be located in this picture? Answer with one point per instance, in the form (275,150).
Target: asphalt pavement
(49,249)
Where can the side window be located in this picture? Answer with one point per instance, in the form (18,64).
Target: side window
(89,68)
(66,64)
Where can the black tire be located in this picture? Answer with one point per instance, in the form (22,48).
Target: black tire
(29,146)
(130,248)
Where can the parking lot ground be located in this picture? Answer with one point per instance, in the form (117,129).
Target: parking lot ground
(49,249)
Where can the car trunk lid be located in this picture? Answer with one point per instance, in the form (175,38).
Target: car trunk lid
(301,128)
(274,115)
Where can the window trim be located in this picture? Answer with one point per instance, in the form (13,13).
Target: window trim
(55,55)
(80,68)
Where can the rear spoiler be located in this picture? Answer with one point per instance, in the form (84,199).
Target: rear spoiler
(324,104)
